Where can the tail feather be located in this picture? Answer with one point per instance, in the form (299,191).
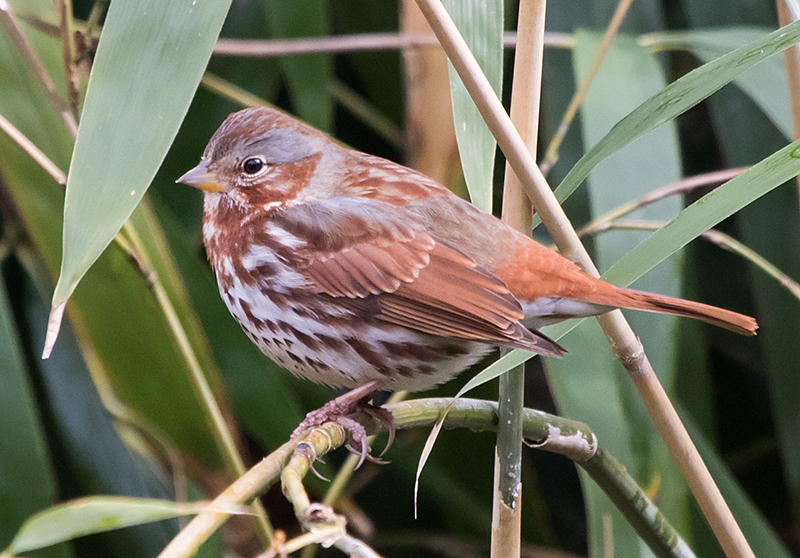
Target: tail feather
(650,302)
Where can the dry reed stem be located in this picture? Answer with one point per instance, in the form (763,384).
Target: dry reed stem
(625,345)
(517,212)
(9,22)
(275,48)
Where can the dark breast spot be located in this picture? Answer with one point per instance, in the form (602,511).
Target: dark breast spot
(302,338)
(256,323)
(366,352)
(317,365)
(333,343)
(413,351)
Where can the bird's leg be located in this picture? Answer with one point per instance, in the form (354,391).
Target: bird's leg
(343,411)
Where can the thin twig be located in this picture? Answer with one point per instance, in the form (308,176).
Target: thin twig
(551,155)
(232,92)
(345,96)
(679,187)
(625,345)
(367,113)
(127,416)
(34,152)
(98,8)
(724,241)
(361,42)
(9,22)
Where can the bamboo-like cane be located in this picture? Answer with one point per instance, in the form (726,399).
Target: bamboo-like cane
(625,345)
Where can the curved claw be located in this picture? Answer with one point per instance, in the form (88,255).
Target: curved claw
(318,474)
(389,442)
(377,460)
(363,454)
(344,410)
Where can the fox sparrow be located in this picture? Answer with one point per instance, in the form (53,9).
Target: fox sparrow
(353,271)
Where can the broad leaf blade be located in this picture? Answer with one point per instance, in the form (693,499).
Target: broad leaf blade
(765,83)
(307,77)
(587,384)
(27,481)
(114,309)
(481,24)
(94,514)
(149,61)
(676,99)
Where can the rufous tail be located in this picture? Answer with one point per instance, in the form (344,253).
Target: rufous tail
(650,302)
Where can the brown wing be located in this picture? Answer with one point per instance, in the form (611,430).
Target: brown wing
(429,287)
(453,297)
(381,260)
(364,269)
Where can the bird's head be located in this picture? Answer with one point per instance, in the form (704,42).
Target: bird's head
(259,156)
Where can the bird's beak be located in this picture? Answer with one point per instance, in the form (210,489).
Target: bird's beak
(200,177)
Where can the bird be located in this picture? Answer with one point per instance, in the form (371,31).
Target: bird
(356,272)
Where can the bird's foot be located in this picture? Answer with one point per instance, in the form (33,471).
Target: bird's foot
(344,410)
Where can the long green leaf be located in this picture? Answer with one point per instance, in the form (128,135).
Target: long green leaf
(707,212)
(691,223)
(87,440)
(587,383)
(148,64)
(114,309)
(676,99)
(95,514)
(481,24)
(772,228)
(27,480)
(764,83)
(307,77)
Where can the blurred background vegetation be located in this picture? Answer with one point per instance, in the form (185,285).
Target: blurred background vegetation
(112,411)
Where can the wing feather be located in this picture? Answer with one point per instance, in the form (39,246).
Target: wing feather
(387,265)
(440,292)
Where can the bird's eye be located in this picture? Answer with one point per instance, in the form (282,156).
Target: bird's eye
(253,165)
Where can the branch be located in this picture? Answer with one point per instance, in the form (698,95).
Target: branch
(551,433)
(9,22)
(254,48)
(33,151)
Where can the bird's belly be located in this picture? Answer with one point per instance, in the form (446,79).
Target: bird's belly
(315,337)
